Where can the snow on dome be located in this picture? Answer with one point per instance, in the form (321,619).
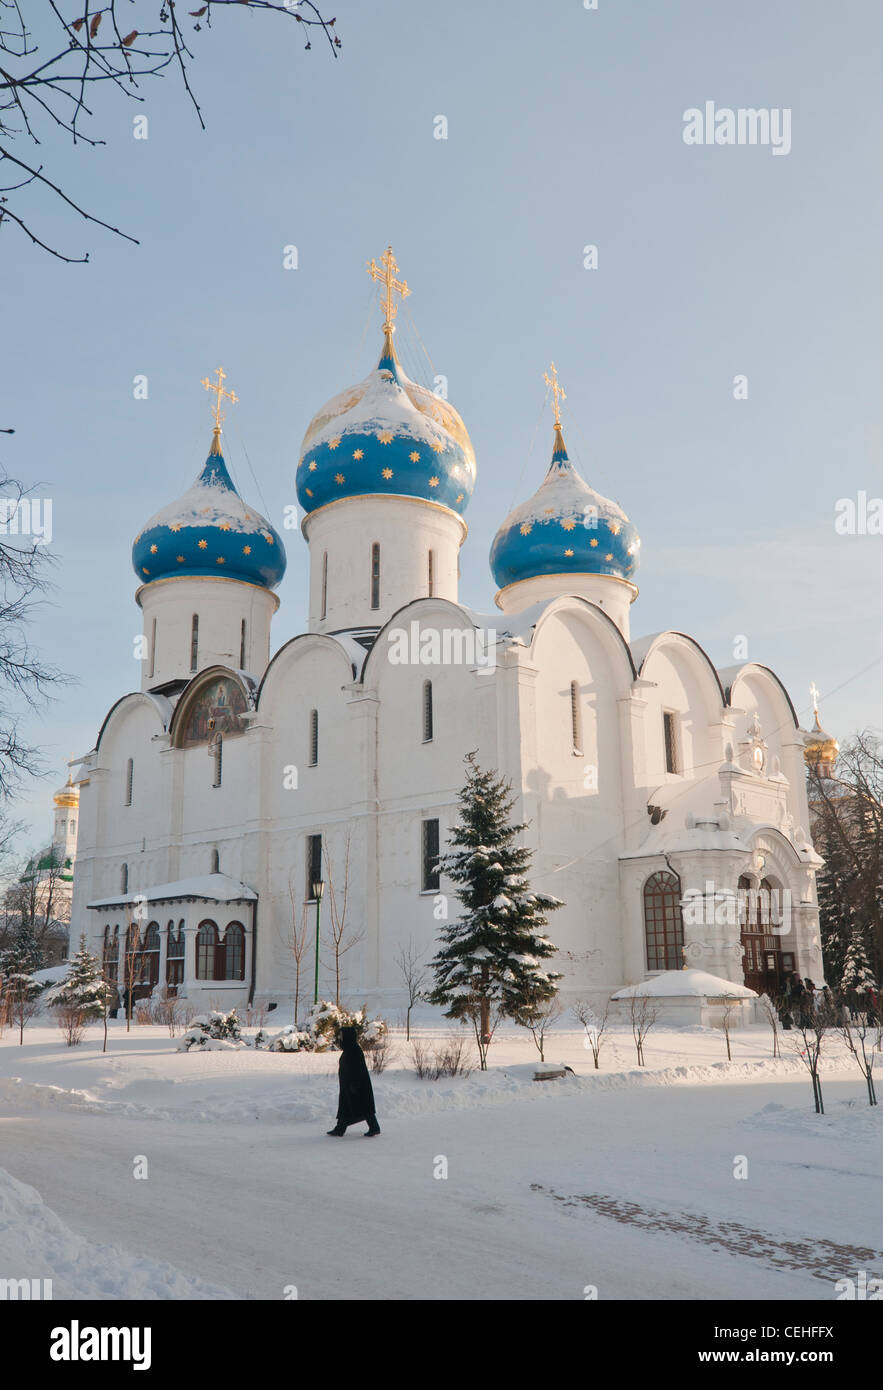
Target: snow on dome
(210,530)
(388,435)
(673,984)
(565,528)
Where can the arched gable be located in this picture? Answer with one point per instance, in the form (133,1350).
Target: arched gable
(213,703)
(158,704)
(461,619)
(297,648)
(600,623)
(695,659)
(733,676)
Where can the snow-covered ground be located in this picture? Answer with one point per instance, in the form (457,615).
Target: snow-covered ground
(487,1186)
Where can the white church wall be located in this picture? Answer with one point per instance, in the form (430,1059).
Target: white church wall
(221,606)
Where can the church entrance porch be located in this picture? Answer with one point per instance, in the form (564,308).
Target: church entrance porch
(764,964)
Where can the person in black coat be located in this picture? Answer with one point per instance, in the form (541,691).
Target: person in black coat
(356,1100)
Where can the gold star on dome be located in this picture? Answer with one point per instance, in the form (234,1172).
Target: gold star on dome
(387,473)
(569,524)
(593,542)
(414,457)
(144,571)
(332,444)
(225,526)
(180,559)
(203,545)
(525,528)
(358,453)
(548,511)
(308,492)
(154,549)
(267,537)
(312,466)
(615,527)
(246,550)
(385,436)
(433,482)
(437,445)
(608,557)
(176,527)
(568,553)
(459,498)
(221,560)
(339,478)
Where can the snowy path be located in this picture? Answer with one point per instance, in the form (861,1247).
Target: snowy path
(631,1191)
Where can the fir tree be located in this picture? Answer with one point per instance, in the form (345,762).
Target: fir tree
(857,974)
(21,992)
(24,955)
(490,965)
(84,988)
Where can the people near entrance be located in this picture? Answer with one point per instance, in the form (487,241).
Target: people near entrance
(356,1094)
(810,1003)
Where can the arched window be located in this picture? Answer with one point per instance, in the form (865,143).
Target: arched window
(427,711)
(430,574)
(149,972)
(324,609)
(234,952)
(124,879)
(217,747)
(375,575)
(314,737)
(663,925)
(242,635)
(216,861)
(175,956)
(206,948)
(194,642)
(130,781)
(576,723)
(111,955)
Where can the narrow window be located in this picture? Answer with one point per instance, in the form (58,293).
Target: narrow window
(324,585)
(152,648)
(130,781)
(670,728)
(207,952)
(234,952)
(242,645)
(427,711)
(431,573)
(663,924)
(217,760)
(576,723)
(175,957)
(430,876)
(314,864)
(124,879)
(216,862)
(375,575)
(314,737)
(194,642)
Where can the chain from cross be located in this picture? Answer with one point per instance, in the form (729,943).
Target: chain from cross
(557,391)
(219,391)
(386,274)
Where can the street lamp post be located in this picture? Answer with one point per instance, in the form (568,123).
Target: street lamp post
(318,890)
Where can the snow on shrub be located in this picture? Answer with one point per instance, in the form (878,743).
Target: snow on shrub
(321,1030)
(211,1028)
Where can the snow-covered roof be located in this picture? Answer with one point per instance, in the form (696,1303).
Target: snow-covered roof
(679,984)
(213,888)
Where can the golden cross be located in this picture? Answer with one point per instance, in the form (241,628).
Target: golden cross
(557,391)
(219,391)
(814,692)
(392,286)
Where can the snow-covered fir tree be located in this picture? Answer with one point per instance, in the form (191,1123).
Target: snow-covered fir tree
(23,956)
(83,987)
(857,973)
(490,965)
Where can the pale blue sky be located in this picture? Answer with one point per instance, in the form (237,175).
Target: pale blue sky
(565,128)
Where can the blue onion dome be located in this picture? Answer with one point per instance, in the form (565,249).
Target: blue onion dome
(386,436)
(565,528)
(210,531)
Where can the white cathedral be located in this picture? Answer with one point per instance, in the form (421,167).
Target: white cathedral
(665,799)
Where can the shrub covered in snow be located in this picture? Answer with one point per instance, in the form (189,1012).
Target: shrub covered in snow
(321,1030)
(217,1025)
